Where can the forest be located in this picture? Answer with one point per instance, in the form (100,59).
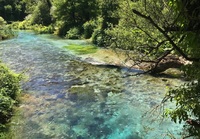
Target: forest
(160,33)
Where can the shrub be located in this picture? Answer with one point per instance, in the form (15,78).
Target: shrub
(38,28)
(9,91)
(5,31)
(73,33)
(89,27)
(43,29)
(2,21)
(26,24)
(101,38)
(97,37)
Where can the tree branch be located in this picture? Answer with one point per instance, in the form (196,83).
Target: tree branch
(166,36)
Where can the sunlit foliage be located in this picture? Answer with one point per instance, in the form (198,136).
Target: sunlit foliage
(9,92)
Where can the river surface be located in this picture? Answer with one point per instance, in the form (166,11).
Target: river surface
(65,97)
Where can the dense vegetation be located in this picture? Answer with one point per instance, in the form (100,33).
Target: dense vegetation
(154,30)
(5,32)
(9,91)
(9,85)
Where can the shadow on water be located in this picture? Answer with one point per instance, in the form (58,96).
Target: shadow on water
(65,98)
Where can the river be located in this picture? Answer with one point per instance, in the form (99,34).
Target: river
(65,97)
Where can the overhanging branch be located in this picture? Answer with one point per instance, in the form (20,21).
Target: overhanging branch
(166,36)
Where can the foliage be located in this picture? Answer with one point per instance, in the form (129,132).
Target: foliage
(107,8)
(89,27)
(5,31)
(97,37)
(82,49)
(84,15)
(73,13)
(12,9)
(187,96)
(73,33)
(40,29)
(41,14)
(25,24)
(65,15)
(155,29)
(9,91)
(137,34)
(187,100)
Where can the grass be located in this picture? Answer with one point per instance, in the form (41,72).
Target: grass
(81,49)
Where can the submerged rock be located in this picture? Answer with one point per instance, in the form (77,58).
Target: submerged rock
(83,93)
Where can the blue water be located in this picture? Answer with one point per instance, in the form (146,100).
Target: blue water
(65,97)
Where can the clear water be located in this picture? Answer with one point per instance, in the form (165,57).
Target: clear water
(66,98)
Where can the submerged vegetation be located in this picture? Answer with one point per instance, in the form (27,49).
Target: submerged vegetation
(154,30)
(82,49)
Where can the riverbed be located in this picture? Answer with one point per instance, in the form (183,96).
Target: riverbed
(67,97)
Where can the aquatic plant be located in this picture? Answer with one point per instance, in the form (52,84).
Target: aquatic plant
(82,49)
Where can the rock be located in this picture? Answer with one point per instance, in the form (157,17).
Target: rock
(82,92)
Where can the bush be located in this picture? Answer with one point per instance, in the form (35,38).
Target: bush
(5,31)
(26,24)
(97,37)
(9,91)
(73,33)
(38,28)
(43,29)
(89,28)
(2,21)
(101,38)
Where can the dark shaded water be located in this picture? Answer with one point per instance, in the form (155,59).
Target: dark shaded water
(66,98)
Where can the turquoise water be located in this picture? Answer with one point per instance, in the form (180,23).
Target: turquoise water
(67,98)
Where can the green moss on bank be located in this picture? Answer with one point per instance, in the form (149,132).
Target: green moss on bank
(81,49)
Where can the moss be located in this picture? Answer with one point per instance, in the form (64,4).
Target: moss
(82,49)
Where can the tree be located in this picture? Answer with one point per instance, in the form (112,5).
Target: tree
(156,30)
(73,13)
(107,8)
(41,14)
(12,10)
